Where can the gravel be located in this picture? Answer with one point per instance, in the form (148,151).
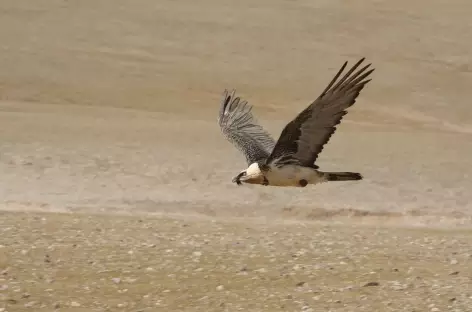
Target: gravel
(79,262)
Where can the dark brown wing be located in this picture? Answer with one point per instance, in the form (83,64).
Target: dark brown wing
(303,138)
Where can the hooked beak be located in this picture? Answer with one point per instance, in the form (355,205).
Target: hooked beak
(237,179)
(250,179)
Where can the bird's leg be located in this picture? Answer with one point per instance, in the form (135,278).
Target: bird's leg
(265,182)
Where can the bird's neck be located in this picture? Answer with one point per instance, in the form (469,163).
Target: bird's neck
(263,167)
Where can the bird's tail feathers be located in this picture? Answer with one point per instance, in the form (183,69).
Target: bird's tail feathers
(342,176)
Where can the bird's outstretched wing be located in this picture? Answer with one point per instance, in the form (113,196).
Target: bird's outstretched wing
(303,138)
(240,128)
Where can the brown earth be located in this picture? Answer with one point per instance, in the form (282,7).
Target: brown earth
(110,107)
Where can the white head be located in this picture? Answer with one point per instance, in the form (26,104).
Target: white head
(252,175)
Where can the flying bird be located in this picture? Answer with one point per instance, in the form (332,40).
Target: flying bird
(290,161)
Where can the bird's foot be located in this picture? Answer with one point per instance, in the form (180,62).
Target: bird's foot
(265,182)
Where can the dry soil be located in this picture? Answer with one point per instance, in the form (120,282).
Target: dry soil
(116,190)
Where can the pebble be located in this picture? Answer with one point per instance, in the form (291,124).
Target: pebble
(116,280)
(30,304)
(75,304)
(220,287)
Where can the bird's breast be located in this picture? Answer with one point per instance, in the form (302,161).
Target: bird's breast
(290,175)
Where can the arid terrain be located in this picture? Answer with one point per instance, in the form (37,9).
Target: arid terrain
(116,190)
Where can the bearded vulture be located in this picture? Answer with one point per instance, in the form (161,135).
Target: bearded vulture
(291,160)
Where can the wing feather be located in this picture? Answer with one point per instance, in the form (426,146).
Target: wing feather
(302,139)
(239,126)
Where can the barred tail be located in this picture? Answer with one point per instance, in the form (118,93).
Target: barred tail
(342,176)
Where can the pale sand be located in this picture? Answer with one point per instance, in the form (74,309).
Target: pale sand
(110,107)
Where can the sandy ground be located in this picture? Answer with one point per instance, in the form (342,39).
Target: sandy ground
(108,113)
(100,263)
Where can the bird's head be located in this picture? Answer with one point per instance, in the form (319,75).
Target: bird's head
(252,175)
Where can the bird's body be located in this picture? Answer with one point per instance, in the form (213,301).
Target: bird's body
(289,175)
(290,161)
(293,175)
